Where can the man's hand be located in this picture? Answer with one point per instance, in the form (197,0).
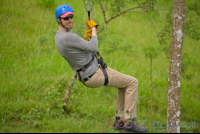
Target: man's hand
(88,33)
(91,24)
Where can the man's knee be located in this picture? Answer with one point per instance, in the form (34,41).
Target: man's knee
(135,81)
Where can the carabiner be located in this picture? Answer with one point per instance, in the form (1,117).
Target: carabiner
(90,7)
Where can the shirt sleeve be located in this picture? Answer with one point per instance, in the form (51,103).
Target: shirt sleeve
(74,40)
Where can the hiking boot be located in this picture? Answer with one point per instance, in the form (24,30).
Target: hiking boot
(132,127)
(118,125)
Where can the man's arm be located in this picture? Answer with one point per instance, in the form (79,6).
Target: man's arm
(94,31)
(78,42)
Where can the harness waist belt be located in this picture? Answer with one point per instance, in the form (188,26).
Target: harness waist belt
(87,78)
(103,66)
(86,66)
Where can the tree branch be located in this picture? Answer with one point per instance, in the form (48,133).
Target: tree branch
(128,11)
(156,11)
(163,9)
(160,15)
(106,5)
(68,92)
(104,14)
(99,31)
(154,29)
(103,11)
(138,3)
(125,11)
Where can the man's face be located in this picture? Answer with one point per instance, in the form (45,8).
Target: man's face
(68,21)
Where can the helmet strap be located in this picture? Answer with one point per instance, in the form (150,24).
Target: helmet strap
(61,23)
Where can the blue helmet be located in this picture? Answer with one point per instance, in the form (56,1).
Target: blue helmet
(62,9)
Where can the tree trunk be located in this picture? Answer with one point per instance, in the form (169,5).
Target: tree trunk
(174,78)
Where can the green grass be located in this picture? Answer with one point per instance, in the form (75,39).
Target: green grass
(34,76)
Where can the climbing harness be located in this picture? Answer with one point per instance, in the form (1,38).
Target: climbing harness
(97,55)
(103,66)
(83,69)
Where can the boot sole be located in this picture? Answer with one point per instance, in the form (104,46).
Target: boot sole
(124,131)
(117,129)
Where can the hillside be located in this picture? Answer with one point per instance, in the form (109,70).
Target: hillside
(33,75)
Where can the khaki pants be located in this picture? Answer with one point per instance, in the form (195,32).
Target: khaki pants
(127,94)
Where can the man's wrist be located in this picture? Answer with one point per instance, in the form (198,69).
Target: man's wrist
(95,26)
(94,31)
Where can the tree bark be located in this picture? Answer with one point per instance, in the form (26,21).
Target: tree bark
(174,78)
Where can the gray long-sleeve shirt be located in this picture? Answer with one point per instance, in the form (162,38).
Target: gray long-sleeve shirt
(77,51)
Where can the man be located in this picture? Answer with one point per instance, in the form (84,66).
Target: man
(80,54)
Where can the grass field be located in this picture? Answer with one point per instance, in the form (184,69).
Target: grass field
(33,75)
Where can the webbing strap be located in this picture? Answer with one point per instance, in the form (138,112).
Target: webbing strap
(84,68)
(87,65)
(103,66)
(105,75)
(79,76)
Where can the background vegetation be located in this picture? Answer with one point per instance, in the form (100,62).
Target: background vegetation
(33,75)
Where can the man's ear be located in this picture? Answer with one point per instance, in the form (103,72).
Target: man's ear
(58,20)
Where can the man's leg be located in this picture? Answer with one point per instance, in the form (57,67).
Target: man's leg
(120,103)
(126,99)
(127,92)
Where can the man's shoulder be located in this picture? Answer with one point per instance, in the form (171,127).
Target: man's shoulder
(68,36)
(66,33)
(73,36)
(62,32)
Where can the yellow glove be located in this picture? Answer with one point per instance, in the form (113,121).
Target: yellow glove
(91,24)
(88,33)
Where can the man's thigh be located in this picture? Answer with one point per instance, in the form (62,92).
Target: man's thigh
(97,80)
(117,79)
